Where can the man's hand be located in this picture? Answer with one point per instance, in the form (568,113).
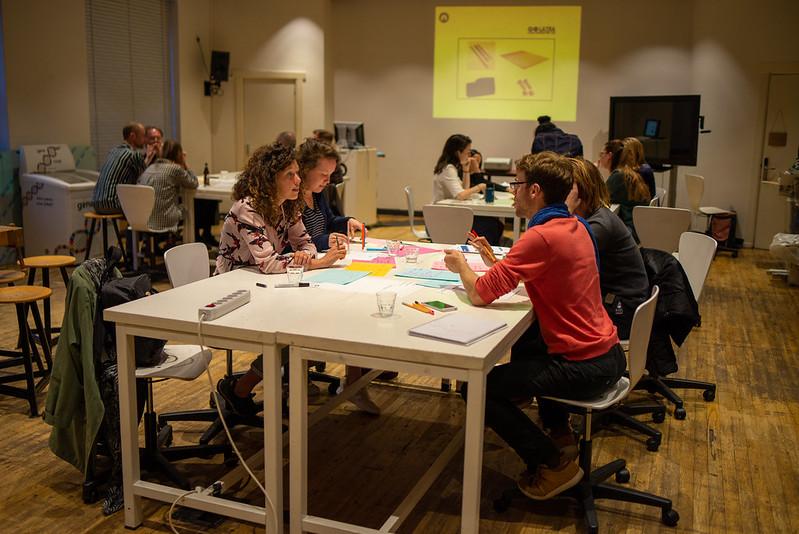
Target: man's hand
(455,261)
(484,248)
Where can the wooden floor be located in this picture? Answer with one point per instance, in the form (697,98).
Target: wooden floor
(731,466)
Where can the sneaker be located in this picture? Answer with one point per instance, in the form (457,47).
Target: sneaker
(239,405)
(547,482)
(566,444)
(364,403)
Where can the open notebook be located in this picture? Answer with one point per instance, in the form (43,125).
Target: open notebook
(458,328)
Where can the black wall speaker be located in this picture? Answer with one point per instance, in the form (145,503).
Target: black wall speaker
(220,64)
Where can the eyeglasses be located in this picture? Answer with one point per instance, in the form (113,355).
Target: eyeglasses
(516,185)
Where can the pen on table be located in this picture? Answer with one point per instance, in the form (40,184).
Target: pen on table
(418,308)
(363,236)
(259,284)
(423,305)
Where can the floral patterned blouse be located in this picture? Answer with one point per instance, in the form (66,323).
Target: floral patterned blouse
(247,240)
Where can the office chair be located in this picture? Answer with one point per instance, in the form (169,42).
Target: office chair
(447,224)
(660,228)
(593,485)
(421,235)
(137,203)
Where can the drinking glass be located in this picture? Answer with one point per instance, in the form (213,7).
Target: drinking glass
(294,274)
(385,303)
(393,247)
(411,253)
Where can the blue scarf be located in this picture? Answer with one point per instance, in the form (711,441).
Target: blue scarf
(560,211)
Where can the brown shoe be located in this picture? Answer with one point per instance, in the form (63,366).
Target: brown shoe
(546,482)
(566,444)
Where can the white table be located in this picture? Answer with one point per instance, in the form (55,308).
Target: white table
(354,337)
(502,207)
(220,188)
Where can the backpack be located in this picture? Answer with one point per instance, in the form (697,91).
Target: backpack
(559,142)
(115,291)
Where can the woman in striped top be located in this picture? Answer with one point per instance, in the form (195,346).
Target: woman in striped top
(168,175)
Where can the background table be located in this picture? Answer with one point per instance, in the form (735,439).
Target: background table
(502,207)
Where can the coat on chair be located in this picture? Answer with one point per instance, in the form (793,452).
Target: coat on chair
(676,314)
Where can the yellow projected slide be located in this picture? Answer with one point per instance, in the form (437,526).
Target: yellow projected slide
(506,62)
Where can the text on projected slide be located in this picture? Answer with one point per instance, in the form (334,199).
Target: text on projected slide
(506,62)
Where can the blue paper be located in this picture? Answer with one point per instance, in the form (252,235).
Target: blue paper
(341,277)
(430,274)
(436,284)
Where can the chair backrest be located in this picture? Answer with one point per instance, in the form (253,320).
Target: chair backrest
(137,202)
(639,336)
(695,187)
(409,199)
(695,255)
(447,224)
(660,228)
(654,201)
(660,194)
(340,193)
(187,263)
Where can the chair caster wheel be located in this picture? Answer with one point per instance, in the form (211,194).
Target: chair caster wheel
(659,417)
(709,395)
(652,444)
(679,414)
(622,476)
(670,517)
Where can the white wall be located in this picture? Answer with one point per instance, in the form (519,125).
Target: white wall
(260,36)
(384,69)
(46,73)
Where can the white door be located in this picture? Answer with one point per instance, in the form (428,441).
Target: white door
(779,152)
(268,110)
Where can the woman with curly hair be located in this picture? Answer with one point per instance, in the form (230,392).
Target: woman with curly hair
(267,218)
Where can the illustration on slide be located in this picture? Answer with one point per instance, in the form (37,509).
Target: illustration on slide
(506,69)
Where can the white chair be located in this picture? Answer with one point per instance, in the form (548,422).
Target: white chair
(660,194)
(593,485)
(696,252)
(660,228)
(137,203)
(421,235)
(695,187)
(447,224)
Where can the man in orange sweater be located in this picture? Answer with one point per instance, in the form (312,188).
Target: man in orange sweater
(572,350)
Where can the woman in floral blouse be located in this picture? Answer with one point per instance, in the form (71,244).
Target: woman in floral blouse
(265,220)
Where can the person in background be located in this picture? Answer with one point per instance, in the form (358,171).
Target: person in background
(625,185)
(287,138)
(549,137)
(325,136)
(609,157)
(481,177)
(632,155)
(168,175)
(264,220)
(153,135)
(453,180)
(317,161)
(571,351)
(622,275)
(123,165)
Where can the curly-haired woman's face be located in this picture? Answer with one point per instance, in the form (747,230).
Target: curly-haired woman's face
(317,178)
(288,183)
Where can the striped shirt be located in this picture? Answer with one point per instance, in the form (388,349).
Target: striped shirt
(167,178)
(122,166)
(314,220)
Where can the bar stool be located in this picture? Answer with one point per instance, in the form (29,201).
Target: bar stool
(45,263)
(104,219)
(10,276)
(25,298)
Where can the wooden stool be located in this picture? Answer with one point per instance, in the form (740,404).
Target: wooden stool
(94,217)
(9,277)
(45,263)
(25,298)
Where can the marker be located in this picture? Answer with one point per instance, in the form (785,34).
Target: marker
(336,237)
(301,284)
(363,236)
(259,284)
(418,308)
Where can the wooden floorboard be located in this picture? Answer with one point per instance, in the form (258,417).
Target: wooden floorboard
(731,466)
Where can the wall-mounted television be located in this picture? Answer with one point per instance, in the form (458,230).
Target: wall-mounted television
(349,134)
(667,126)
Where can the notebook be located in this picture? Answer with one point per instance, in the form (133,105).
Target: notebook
(458,328)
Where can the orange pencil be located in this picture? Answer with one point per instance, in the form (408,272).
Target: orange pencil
(425,306)
(418,308)
(363,236)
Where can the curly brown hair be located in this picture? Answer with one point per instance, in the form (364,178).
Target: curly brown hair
(313,150)
(258,183)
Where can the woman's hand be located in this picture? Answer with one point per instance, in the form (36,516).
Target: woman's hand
(332,256)
(354,225)
(338,241)
(301,258)
(573,199)
(473,165)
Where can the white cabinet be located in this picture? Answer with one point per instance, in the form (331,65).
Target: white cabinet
(360,191)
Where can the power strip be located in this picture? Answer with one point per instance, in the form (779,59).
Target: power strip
(225,305)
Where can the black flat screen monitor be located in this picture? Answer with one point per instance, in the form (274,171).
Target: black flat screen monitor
(349,134)
(667,126)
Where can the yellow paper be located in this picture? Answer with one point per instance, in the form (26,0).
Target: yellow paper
(506,62)
(374,269)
